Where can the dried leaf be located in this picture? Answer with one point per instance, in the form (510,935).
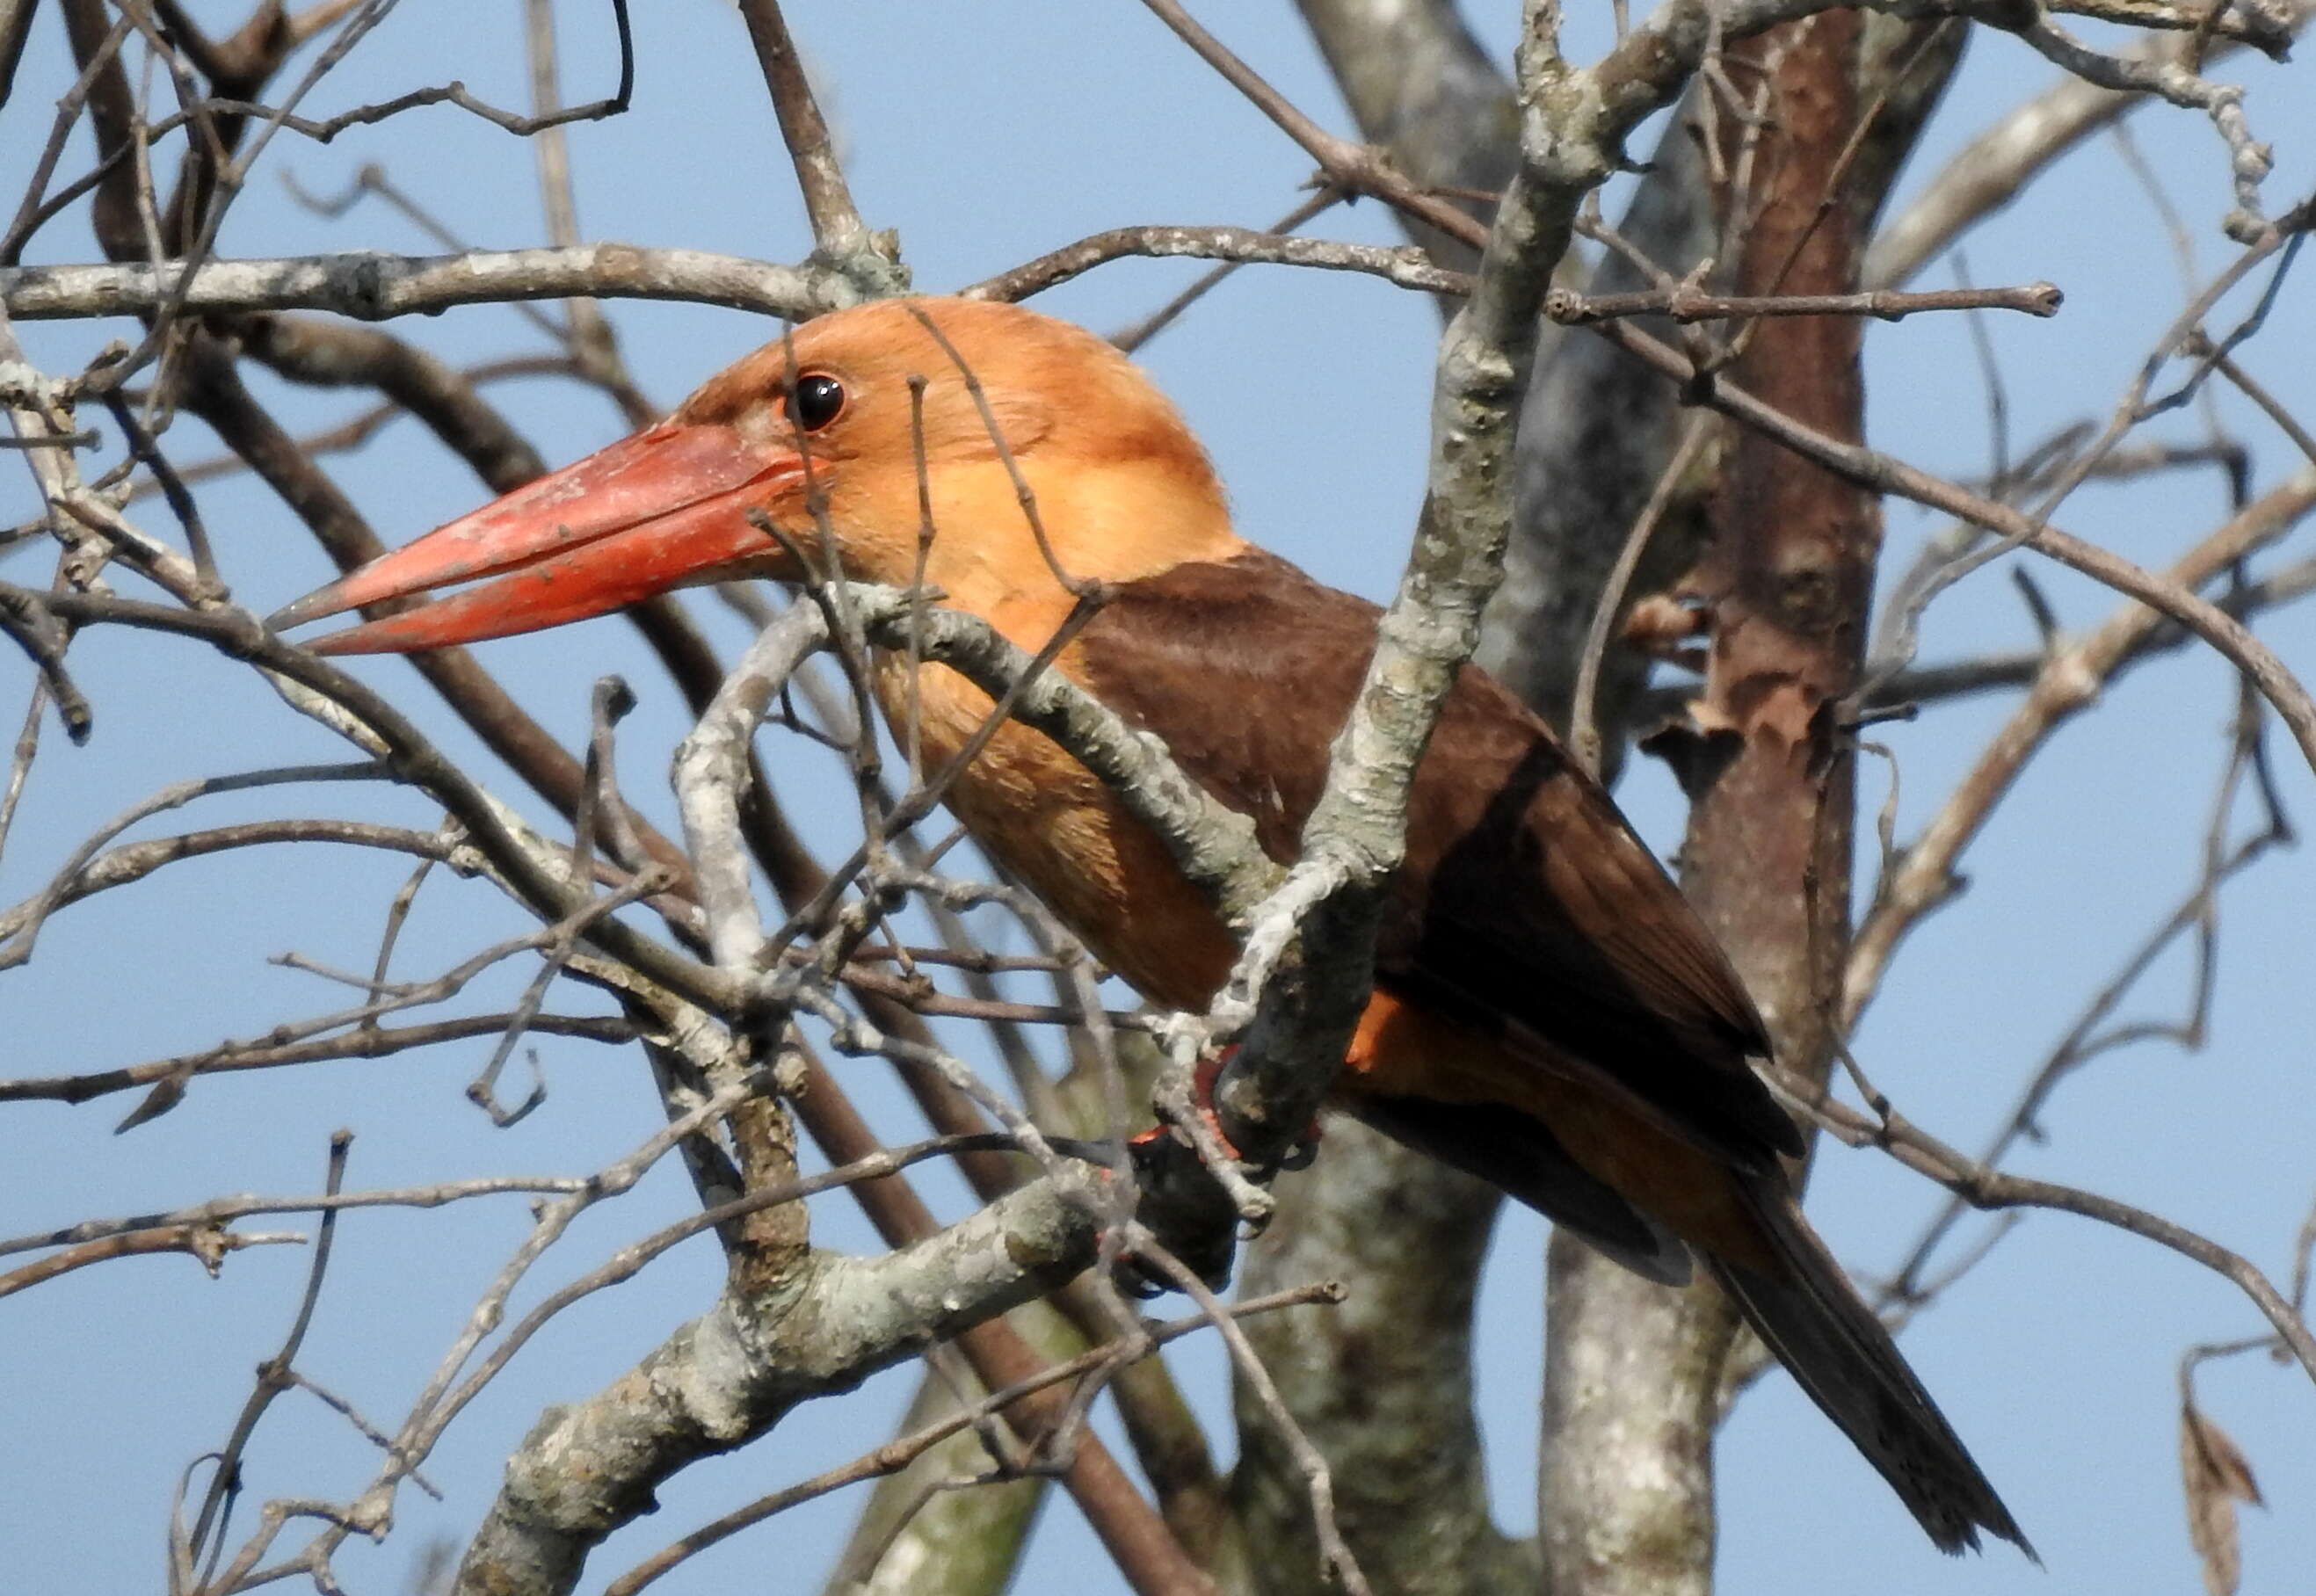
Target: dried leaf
(1659,625)
(2215,1478)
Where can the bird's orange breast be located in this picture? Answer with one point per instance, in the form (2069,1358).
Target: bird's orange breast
(1056,828)
(1053,826)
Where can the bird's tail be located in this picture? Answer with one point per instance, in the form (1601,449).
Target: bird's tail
(1811,1318)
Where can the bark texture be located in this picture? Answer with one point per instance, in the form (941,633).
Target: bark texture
(1420,87)
(1596,432)
(733,1373)
(1382,1384)
(1635,1367)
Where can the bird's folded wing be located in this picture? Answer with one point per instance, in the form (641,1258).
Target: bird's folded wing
(1526,906)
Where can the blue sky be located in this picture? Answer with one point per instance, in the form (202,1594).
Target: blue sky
(985,135)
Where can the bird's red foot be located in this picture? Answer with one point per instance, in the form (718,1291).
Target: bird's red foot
(1202,1100)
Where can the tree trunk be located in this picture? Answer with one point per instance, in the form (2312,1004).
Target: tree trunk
(1634,1369)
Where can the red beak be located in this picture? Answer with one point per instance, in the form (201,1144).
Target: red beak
(653,512)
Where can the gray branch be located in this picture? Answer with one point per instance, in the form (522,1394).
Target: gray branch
(1212,844)
(737,1371)
(373,287)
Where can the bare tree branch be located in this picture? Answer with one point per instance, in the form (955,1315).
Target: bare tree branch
(736,1372)
(1408,267)
(2001,163)
(373,287)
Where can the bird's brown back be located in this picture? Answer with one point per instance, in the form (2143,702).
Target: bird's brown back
(1526,908)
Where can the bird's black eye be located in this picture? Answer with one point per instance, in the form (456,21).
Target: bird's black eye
(816,400)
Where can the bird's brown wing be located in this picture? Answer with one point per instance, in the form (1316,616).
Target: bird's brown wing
(1529,913)
(1526,907)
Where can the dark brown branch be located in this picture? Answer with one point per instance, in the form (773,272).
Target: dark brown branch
(1427,92)
(2067,682)
(208,1244)
(15,27)
(368,1042)
(1687,304)
(1354,168)
(274,1375)
(416,760)
(321,130)
(842,239)
(133,862)
(1990,1189)
(104,87)
(218,396)
(1871,469)
(34,630)
(334,354)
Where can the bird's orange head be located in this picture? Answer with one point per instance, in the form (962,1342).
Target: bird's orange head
(872,435)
